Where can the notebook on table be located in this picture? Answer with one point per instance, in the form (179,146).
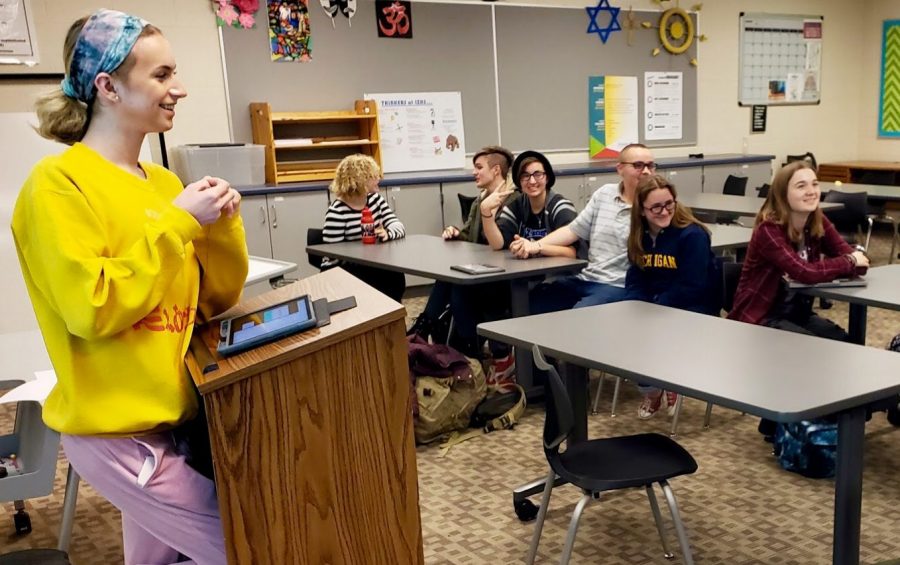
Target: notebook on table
(477,268)
(836,283)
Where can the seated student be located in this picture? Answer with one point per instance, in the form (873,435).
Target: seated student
(355,186)
(491,171)
(604,224)
(792,238)
(527,216)
(672,264)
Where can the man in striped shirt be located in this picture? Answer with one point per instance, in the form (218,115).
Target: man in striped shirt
(604,224)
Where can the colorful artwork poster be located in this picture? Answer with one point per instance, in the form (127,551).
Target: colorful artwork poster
(394,18)
(289,34)
(612,114)
(889,106)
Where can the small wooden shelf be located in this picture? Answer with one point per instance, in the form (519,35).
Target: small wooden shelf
(331,135)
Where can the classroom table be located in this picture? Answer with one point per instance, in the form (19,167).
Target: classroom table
(876,193)
(431,257)
(262,268)
(656,345)
(882,290)
(733,205)
(729,236)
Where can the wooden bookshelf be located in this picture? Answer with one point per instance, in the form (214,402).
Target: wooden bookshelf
(307,146)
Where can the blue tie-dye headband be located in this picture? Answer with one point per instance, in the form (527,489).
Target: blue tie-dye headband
(104,42)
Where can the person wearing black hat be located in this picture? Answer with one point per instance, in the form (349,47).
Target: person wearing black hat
(534,214)
(604,224)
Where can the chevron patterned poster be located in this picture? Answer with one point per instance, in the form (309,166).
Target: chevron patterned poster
(889,109)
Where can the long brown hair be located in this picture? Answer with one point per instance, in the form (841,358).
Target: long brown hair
(65,119)
(681,215)
(776,208)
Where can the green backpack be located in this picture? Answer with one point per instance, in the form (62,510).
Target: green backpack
(446,404)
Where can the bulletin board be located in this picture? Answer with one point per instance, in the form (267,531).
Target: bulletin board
(780,59)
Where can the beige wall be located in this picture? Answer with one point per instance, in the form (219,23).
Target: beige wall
(843,126)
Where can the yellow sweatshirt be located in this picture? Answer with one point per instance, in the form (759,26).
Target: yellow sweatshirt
(116,274)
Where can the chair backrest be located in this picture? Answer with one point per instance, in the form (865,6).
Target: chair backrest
(808,157)
(731,275)
(763,191)
(736,186)
(314,237)
(559,420)
(853,216)
(465,205)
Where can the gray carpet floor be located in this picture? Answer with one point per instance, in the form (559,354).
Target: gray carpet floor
(739,508)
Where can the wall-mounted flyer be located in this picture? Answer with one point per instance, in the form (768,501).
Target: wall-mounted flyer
(612,114)
(420,131)
(18,42)
(663,105)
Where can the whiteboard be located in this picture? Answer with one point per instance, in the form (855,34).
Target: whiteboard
(780,59)
(420,131)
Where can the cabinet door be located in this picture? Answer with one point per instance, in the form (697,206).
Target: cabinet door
(572,188)
(256,224)
(419,208)
(290,215)
(591,183)
(686,181)
(714,176)
(451,209)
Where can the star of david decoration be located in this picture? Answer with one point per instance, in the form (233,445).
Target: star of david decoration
(603,32)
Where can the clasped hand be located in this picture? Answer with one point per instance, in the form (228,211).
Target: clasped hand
(522,248)
(208,198)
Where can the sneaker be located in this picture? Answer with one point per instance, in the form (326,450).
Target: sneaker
(502,372)
(671,400)
(650,405)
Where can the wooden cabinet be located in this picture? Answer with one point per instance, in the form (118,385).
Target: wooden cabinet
(256,226)
(307,146)
(591,183)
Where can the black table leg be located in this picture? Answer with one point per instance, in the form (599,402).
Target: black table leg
(848,486)
(857,324)
(524,365)
(576,379)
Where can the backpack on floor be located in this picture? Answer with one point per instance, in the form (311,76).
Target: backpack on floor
(808,447)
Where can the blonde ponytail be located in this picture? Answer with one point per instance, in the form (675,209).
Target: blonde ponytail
(61,118)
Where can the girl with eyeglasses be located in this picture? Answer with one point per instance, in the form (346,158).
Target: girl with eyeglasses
(672,264)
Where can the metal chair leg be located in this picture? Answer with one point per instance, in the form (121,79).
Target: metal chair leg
(679,525)
(678,402)
(573,529)
(615,400)
(708,416)
(657,517)
(68,515)
(596,405)
(542,513)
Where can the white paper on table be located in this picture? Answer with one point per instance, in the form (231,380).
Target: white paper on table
(32,391)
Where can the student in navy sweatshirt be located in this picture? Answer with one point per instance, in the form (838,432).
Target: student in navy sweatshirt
(672,263)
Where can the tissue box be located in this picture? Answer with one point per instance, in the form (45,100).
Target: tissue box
(241,165)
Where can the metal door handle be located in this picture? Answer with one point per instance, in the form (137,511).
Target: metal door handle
(274,217)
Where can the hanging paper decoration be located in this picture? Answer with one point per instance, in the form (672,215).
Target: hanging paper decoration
(331,9)
(676,30)
(394,18)
(603,32)
(236,13)
(345,7)
(289,34)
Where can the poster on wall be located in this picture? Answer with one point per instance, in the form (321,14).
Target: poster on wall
(889,104)
(420,131)
(612,114)
(663,105)
(290,38)
(18,42)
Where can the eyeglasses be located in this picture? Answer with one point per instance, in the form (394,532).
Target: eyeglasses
(641,165)
(538,176)
(657,209)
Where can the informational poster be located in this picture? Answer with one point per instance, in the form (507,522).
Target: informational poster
(612,114)
(663,105)
(889,106)
(18,44)
(780,59)
(420,131)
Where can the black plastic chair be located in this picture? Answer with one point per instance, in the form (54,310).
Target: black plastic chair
(853,220)
(314,237)
(600,465)
(763,191)
(808,157)
(731,276)
(465,205)
(736,186)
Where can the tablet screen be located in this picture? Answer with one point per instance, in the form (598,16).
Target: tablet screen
(266,321)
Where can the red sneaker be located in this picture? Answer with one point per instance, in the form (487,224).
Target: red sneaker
(671,400)
(650,405)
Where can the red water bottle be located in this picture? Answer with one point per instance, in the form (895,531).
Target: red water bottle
(367,223)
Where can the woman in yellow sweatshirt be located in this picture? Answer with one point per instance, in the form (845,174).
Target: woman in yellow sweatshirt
(119,260)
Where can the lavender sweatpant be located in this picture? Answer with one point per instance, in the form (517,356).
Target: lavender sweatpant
(169,511)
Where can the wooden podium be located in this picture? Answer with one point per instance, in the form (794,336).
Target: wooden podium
(312,436)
